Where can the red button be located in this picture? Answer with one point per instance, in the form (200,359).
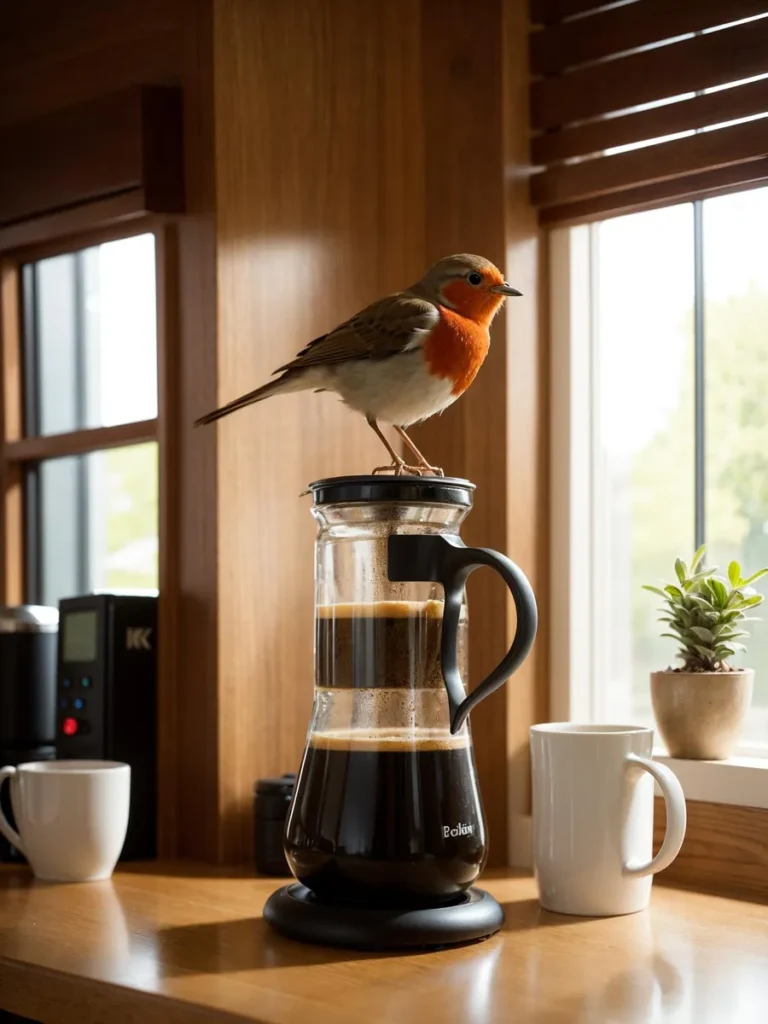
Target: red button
(69,726)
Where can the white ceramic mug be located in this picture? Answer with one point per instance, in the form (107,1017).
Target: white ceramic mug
(72,817)
(593,817)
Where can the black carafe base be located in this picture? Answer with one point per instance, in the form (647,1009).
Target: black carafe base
(296,913)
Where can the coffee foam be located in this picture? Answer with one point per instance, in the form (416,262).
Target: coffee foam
(381,610)
(393,740)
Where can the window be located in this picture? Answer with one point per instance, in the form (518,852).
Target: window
(672,440)
(90,337)
(87,460)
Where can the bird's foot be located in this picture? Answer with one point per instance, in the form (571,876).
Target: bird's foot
(426,469)
(399,468)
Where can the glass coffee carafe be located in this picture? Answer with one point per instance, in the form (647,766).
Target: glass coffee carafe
(387,809)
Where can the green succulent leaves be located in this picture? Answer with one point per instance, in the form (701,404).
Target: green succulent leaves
(703,612)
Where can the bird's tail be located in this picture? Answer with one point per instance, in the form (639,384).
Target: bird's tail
(283,385)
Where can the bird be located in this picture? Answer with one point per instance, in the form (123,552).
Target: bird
(403,358)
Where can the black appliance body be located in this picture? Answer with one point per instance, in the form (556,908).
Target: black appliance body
(27,694)
(106,698)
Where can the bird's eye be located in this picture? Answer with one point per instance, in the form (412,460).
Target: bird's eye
(475,278)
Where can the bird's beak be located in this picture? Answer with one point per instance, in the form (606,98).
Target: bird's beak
(504,289)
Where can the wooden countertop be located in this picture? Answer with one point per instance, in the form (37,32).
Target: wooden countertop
(181,943)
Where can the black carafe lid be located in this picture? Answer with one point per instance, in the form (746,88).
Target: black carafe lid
(428,490)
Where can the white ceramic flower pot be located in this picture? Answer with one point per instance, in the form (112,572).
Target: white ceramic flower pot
(700,714)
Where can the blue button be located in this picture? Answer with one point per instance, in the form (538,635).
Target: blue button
(66,683)
(86,682)
(78,703)
(63,702)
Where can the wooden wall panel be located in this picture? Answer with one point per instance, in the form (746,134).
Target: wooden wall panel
(464,199)
(476,201)
(319,210)
(725,849)
(526,469)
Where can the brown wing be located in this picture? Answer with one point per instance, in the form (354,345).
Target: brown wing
(382,329)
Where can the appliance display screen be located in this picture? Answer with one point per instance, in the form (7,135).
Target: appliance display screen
(80,636)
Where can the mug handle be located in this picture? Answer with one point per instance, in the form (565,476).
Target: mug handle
(447,560)
(674,798)
(10,834)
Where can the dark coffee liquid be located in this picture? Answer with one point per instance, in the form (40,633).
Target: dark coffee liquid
(387,644)
(381,818)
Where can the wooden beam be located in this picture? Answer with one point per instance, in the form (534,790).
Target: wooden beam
(111,145)
(169,514)
(525,465)
(79,442)
(11,495)
(66,229)
(545,11)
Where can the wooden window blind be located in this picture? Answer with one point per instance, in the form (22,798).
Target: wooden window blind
(642,103)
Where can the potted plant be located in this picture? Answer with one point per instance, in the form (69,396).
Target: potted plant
(699,707)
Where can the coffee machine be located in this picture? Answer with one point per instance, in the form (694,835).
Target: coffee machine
(386,834)
(28,635)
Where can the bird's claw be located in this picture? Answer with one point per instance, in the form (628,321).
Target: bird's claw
(400,468)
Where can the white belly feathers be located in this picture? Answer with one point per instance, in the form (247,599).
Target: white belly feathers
(399,390)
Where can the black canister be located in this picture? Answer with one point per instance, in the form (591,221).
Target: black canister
(272,798)
(28,635)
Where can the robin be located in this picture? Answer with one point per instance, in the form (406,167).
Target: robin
(403,358)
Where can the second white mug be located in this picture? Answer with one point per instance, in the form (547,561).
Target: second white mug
(72,816)
(593,817)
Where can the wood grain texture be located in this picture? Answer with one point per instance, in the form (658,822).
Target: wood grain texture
(464,204)
(687,115)
(318,213)
(725,849)
(526,461)
(628,27)
(177,943)
(476,202)
(55,56)
(11,546)
(169,514)
(10,338)
(708,151)
(693,64)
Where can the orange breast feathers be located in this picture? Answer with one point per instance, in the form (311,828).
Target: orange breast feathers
(456,349)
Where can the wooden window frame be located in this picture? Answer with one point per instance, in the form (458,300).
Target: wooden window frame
(18,451)
(54,235)
(725,849)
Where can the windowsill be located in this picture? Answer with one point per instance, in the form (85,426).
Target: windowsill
(739,781)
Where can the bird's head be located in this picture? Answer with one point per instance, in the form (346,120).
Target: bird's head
(471,285)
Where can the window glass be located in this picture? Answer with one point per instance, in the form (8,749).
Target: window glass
(644,441)
(735,241)
(94,523)
(90,338)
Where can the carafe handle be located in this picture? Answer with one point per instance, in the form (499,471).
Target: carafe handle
(447,560)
